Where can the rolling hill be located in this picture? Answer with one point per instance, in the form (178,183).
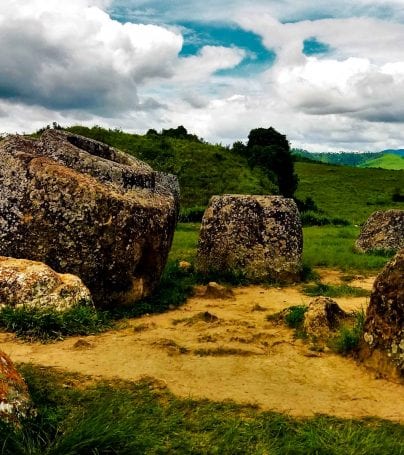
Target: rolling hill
(203,170)
(386,161)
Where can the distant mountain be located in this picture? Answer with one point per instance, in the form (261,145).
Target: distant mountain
(386,161)
(394,152)
(339,158)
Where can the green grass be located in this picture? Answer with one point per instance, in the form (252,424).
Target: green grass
(387,161)
(349,193)
(324,246)
(295,316)
(202,169)
(46,324)
(328,290)
(141,418)
(185,242)
(333,247)
(349,336)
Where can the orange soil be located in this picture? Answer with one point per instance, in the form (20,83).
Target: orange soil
(232,353)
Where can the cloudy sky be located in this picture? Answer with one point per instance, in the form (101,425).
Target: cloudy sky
(328,74)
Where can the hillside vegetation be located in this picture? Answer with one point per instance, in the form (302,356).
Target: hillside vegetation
(348,192)
(386,161)
(204,170)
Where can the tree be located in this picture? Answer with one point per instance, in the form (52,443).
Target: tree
(271,151)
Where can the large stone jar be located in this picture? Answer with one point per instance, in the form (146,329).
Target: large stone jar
(87,209)
(259,237)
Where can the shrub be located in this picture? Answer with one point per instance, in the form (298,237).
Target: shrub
(311,218)
(192,214)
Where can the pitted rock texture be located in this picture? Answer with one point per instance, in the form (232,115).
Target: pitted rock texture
(15,402)
(322,317)
(259,237)
(382,347)
(34,284)
(84,208)
(384,230)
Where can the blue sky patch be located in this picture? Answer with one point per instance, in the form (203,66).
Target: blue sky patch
(198,34)
(312,46)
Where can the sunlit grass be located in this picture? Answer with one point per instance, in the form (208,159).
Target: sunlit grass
(144,418)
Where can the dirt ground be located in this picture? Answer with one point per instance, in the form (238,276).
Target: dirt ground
(227,350)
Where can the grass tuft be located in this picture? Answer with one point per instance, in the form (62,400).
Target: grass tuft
(328,290)
(47,324)
(348,337)
(294,318)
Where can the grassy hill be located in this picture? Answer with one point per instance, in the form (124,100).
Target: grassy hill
(348,192)
(386,161)
(204,170)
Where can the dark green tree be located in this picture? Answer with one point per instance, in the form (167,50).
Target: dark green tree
(271,151)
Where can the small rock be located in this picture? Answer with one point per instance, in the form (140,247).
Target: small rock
(214,291)
(322,316)
(184,265)
(34,284)
(82,344)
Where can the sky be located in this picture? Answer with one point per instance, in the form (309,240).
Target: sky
(329,75)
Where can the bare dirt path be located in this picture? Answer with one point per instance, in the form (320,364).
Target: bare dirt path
(226,349)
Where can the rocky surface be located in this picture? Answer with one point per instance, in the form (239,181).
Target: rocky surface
(34,284)
(15,402)
(259,237)
(382,347)
(85,208)
(214,290)
(323,315)
(384,230)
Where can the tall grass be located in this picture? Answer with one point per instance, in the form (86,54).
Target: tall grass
(140,418)
(333,247)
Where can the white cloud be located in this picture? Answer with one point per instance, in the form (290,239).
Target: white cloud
(70,62)
(70,55)
(210,59)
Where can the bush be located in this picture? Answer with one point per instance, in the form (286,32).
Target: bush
(311,218)
(191,214)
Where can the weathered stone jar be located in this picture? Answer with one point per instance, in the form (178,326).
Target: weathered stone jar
(382,347)
(84,208)
(384,230)
(259,237)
